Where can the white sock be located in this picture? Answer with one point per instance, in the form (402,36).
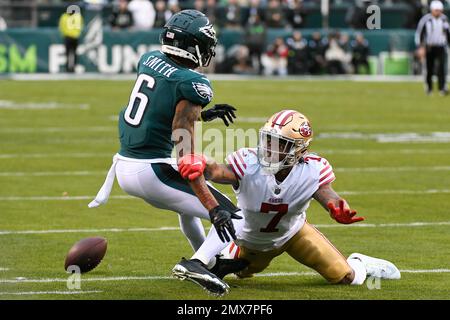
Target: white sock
(193,230)
(359,269)
(213,245)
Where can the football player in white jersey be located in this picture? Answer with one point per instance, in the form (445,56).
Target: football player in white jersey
(274,185)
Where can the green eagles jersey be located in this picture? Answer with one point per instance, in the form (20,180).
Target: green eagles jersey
(145,125)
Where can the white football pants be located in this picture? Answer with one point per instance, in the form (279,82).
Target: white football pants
(158,182)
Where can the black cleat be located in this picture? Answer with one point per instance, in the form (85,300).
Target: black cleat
(195,271)
(227,266)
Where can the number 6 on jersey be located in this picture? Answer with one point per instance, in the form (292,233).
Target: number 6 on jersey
(133,115)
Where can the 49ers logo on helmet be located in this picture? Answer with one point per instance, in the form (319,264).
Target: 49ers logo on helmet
(305,130)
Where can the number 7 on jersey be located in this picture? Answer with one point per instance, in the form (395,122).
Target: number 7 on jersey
(281,209)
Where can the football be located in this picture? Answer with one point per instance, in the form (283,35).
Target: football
(86,253)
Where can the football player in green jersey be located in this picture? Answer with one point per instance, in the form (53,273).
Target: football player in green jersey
(166,100)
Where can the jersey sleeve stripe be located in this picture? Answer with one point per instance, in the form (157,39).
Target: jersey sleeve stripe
(324,169)
(326,176)
(242,162)
(233,167)
(238,166)
(327,181)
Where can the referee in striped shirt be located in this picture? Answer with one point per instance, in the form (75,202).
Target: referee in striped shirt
(432,38)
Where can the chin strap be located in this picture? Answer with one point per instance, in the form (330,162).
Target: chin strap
(182,53)
(200,62)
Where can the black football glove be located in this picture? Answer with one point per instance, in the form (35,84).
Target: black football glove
(222,111)
(221,219)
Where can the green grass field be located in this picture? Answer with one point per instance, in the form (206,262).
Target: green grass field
(56,144)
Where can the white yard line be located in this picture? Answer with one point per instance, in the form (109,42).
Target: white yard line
(152,277)
(58,129)
(6,232)
(55,155)
(59,198)
(324,152)
(95,279)
(120,230)
(409,137)
(395,191)
(4,269)
(393,169)
(51,173)
(13,105)
(125,197)
(26,293)
(96,173)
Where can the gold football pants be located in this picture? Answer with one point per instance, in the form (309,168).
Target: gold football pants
(309,247)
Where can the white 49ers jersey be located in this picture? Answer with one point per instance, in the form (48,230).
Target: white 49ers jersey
(274,212)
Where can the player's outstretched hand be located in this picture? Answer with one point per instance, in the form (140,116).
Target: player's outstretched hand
(222,111)
(191,166)
(221,219)
(343,214)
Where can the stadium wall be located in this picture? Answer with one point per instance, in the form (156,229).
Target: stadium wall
(42,50)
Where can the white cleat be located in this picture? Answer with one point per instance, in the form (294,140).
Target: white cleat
(378,268)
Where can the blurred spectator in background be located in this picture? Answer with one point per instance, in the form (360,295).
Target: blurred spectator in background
(344,43)
(211,10)
(95,5)
(242,60)
(237,60)
(174,7)
(414,14)
(229,16)
(275,15)
(296,14)
(143,13)
(121,17)
(255,39)
(360,56)
(335,55)
(3,25)
(162,14)
(70,27)
(199,5)
(316,54)
(298,54)
(254,10)
(275,60)
(356,16)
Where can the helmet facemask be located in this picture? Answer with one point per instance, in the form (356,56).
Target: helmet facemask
(277,152)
